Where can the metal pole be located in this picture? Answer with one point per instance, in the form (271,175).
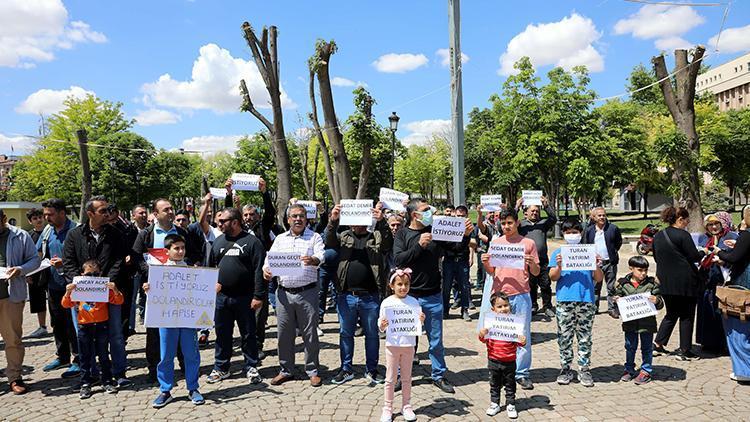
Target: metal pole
(457,112)
(393,156)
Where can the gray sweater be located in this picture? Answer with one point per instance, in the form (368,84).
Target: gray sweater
(20,252)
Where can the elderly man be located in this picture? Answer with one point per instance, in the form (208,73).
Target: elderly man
(297,297)
(18,257)
(608,241)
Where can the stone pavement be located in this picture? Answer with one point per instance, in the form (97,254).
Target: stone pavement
(698,390)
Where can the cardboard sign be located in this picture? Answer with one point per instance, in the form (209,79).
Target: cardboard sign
(311,207)
(491,202)
(531,197)
(450,229)
(218,193)
(285,264)
(181,297)
(42,266)
(90,289)
(504,327)
(403,321)
(242,181)
(393,199)
(507,256)
(635,307)
(356,212)
(578,257)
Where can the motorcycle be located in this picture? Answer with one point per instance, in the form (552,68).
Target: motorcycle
(646,241)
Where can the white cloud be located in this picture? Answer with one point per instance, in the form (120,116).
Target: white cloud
(154,116)
(445,59)
(50,101)
(733,40)
(663,23)
(31,31)
(399,63)
(567,43)
(214,84)
(211,144)
(20,144)
(343,82)
(422,131)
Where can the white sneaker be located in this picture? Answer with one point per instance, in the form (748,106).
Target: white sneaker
(408,414)
(735,377)
(253,376)
(39,332)
(320,332)
(494,409)
(386,417)
(512,413)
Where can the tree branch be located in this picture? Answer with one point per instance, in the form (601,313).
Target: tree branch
(666,85)
(247,105)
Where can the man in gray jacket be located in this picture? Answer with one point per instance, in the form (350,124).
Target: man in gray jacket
(18,257)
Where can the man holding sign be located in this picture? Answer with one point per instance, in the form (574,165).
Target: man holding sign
(457,259)
(534,227)
(514,282)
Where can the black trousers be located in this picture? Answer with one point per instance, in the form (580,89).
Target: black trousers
(61,319)
(541,281)
(678,308)
(261,317)
(502,374)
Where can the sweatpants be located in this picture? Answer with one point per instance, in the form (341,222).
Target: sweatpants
(398,357)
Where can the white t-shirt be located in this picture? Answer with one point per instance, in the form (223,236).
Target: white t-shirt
(395,301)
(601,244)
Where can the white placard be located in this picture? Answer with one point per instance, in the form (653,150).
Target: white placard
(696,237)
(531,197)
(218,193)
(635,306)
(42,266)
(491,202)
(181,297)
(504,327)
(450,229)
(393,199)
(90,289)
(403,321)
(243,181)
(507,256)
(356,212)
(578,257)
(311,207)
(4,273)
(285,264)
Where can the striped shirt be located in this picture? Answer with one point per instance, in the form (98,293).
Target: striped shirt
(308,243)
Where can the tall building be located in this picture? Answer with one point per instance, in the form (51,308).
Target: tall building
(729,83)
(6,165)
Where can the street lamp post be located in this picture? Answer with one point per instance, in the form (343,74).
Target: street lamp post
(393,119)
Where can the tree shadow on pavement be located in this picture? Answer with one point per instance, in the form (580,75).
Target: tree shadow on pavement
(444,406)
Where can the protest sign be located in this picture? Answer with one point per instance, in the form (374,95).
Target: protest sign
(285,264)
(218,193)
(42,266)
(635,307)
(4,273)
(356,212)
(491,202)
(504,327)
(507,256)
(90,289)
(393,199)
(311,207)
(242,181)
(403,321)
(578,257)
(181,297)
(531,197)
(450,229)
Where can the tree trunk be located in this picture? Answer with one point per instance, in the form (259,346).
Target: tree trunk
(645,201)
(680,100)
(86,170)
(315,172)
(303,157)
(331,174)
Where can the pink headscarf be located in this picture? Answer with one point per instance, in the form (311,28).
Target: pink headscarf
(400,272)
(726,221)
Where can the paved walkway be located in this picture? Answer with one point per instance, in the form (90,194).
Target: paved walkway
(698,390)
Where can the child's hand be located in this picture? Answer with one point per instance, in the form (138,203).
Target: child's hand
(218,287)
(653,299)
(383,324)
(146,287)
(485,258)
(421,316)
(483,332)
(616,298)
(522,340)
(559,260)
(70,287)
(111,286)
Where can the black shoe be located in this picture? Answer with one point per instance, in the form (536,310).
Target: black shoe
(320,319)
(446,315)
(444,385)
(686,356)
(455,305)
(525,383)
(534,309)
(465,315)
(261,354)
(342,377)
(660,350)
(85,392)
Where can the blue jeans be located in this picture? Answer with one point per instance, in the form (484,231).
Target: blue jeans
(326,277)
(272,286)
(432,306)
(366,308)
(647,350)
(521,305)
(92,342)
(135,306)
(228,310)
(92,356)
(458,271)
(169,338)
(117,341)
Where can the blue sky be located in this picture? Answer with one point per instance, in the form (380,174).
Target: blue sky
(175,64)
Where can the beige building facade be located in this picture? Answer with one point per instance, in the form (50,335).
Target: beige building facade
(729,83)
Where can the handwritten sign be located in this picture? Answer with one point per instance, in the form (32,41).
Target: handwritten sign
(491,202)
(242,181)
(635,306)
(218,193)
(356,212)
(311,207)
(181,297)
(504,327)
(450,229)
(393,199)
(403,321)
(4,273)
(578,257)
(285,264)
(90,289)
(42,266)
(507,256)
(532,197)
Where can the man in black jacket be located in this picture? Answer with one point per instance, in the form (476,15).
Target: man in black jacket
(608,240)
(534,227)
(456,264)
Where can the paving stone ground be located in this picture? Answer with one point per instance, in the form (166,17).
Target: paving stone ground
(698,390)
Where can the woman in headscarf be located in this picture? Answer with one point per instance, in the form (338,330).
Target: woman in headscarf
(708,331)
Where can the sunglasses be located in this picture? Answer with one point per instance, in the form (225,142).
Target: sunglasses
(224,220)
